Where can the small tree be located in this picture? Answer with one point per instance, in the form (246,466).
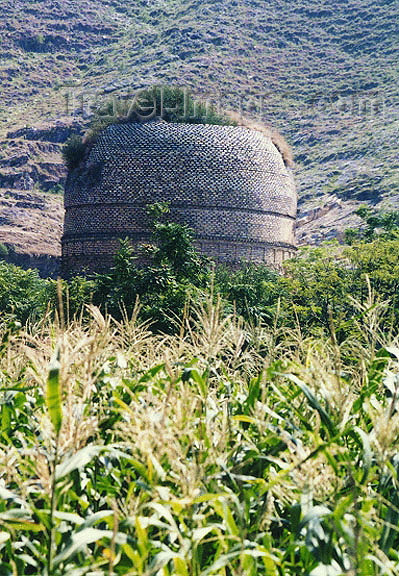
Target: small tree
(174,246)
(173,272)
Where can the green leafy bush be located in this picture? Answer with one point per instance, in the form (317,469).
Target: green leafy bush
(22,293)
(73,151)
(377,224)
(3,251)
(252,291)
(322,284)
(173,274)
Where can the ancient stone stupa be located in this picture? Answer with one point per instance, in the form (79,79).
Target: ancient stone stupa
(229,183)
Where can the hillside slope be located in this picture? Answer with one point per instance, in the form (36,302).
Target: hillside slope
(324,73)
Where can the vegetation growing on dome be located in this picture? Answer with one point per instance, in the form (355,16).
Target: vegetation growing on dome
(73,151)
(165,103)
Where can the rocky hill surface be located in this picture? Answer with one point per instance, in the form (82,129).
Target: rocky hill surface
(322,72)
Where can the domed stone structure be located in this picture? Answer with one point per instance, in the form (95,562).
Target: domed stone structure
(228,183)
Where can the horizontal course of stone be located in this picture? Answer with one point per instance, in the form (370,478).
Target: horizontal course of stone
(89,254)
(229,184)
(206,222)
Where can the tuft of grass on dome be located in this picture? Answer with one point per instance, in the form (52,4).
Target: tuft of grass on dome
(174,105)
(163,103)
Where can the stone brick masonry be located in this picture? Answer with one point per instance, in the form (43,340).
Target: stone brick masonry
(228,183)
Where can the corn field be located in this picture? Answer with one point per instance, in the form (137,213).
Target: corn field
(225,449)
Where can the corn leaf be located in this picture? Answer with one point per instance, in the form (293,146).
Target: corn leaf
(53,392)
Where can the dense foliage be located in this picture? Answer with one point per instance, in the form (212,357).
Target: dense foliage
(223,450)
(218,423)
(22,293)
(171,103)
(318,290)
(377,224)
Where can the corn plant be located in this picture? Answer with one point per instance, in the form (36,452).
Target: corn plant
(225,449)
